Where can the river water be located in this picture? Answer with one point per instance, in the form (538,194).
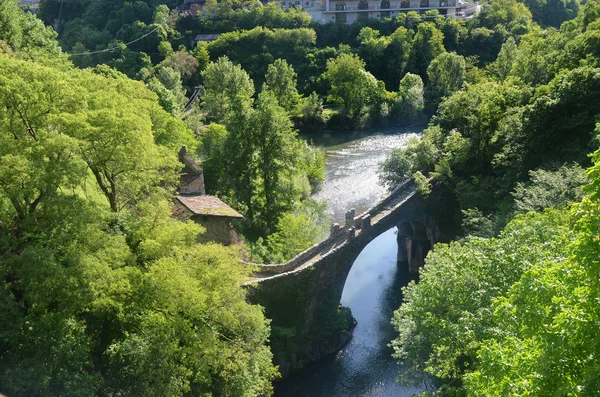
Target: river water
(351,163)
(364,367)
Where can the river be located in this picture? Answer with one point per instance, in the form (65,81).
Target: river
(364,367)
(351,163)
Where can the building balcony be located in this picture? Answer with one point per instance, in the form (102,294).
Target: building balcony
(412,7)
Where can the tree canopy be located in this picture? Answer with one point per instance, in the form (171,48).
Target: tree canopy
(103,291)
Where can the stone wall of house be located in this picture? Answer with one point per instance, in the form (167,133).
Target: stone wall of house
(218,229)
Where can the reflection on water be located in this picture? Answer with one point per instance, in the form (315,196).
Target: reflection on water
(351,164)
(364,367)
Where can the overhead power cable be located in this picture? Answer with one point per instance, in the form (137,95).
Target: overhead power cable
(109,49)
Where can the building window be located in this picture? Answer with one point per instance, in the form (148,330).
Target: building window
(340,17)
(363,5)
(385,14)
(362,16)
(340,6)
(424,3)
(443,3)
(405,4)
(385,4)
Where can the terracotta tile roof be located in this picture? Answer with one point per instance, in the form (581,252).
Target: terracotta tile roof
(208,205)
(180,212)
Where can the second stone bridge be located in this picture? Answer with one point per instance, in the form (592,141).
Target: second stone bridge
(302,296)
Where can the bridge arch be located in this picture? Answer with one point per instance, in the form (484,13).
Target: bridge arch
(302,297)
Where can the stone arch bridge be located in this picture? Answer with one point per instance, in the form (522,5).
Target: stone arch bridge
(302,296)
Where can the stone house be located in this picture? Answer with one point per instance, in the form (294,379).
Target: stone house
(193,203)
(191,7)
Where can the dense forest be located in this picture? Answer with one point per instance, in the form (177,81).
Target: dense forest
(104,292)
(511,309)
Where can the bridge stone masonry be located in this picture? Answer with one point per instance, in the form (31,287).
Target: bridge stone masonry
(302,296)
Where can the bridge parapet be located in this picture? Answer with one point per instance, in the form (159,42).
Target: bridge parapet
(379,206)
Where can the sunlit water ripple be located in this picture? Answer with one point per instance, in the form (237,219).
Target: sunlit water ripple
(351,172)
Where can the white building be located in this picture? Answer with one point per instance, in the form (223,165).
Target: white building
(349,11)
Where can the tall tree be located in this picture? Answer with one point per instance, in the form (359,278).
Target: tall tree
(225,84)
(280,80)
(102,291)
(427,44)
(351,85)
(446,73)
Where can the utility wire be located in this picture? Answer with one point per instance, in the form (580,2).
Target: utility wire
(59,15)
(109,49)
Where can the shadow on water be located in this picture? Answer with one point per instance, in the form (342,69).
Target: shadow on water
(364,367)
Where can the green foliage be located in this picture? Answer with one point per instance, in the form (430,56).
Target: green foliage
(410,97)
(22,31)
(281,81)
(248,14)
(418,155)
(553,13)
(257,162)
(504,63)
(102,291)
(446,73)
(395,169)
(514,16)
(351,85)
(474,223)
(423,185)
(311,110)
(225,85)
(296,231)
(549,320)
(447,316)
(200,52)
(257,48)
(427,44)
(549,188)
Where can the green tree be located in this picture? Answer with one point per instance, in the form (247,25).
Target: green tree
(427,44)
(22,31)
(550,188)
(276,153)
(552,13)
(549,320)
(351,85)
(225,83)
(506,58)
(446,73)
(410,97)
(200,52)
(281,81)
(103,291)
(396,56)
(419,155)
(296,231)
(446,316)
